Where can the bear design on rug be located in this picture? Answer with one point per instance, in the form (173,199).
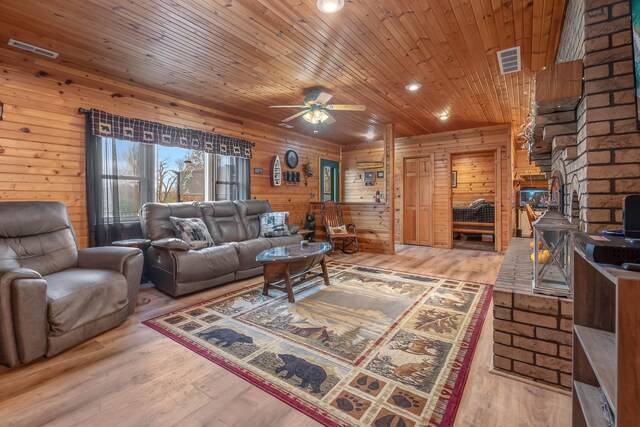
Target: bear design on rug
(226,336)
(309,374)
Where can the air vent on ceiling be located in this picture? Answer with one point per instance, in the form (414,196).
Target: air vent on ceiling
(286,125)
(509,60)
(32,48)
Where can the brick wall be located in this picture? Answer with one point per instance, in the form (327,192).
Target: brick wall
(606,165)
(531,332)
(571,45)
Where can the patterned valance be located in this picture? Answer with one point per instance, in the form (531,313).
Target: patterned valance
(110,125)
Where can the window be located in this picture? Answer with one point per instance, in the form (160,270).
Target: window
(125,186)
(133,174)
(180,175)
(231,178)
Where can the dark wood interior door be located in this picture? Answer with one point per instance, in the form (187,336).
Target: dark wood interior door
(418,200)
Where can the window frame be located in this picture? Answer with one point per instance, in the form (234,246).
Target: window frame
(148,175)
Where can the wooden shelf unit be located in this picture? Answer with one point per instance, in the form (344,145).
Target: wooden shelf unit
(606,342)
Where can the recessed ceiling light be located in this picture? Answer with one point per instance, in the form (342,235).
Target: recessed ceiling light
(413,86)
(330,6)
(443,116)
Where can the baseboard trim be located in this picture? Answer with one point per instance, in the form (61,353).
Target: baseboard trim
(528,381)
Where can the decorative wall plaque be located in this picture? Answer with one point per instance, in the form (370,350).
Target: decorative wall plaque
(276,172)
(369,165)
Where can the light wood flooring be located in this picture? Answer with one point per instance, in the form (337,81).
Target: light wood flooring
(133,376)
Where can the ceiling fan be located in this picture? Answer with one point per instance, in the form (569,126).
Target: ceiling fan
(316,110)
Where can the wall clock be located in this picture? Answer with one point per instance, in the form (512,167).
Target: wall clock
(291,157)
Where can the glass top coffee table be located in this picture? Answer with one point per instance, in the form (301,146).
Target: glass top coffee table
(288,266)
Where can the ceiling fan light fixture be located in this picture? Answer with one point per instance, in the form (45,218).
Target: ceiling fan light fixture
(315,116)
(330,6)
(413,86)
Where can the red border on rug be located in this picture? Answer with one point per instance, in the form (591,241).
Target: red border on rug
(456,394)
(453,402)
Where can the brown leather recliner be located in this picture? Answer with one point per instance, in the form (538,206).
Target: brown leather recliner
(52,295)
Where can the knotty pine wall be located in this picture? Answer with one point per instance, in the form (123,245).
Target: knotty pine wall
(372,219)
(43,137)
(476,177)
(353,185)
(442,146)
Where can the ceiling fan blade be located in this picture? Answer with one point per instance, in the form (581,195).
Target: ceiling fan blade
(323,98)
(295,116)
(346,107)
(330,119)
(288,106)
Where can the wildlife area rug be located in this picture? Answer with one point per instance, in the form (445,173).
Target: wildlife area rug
(376,348)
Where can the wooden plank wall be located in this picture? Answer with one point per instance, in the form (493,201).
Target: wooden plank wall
(522,167)
(442,146)
(354,189)
(372,221)
(476,177)
(43,137)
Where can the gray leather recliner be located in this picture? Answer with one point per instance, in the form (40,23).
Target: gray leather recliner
(52,295)
(176,269)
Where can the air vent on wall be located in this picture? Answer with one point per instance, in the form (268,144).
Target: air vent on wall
(286,125)
(509,60)
(32,48)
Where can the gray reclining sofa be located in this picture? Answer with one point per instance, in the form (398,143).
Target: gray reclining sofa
(176,269)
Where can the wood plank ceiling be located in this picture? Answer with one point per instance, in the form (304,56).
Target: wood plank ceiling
(240,56)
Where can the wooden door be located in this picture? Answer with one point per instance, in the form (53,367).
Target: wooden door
(425,202)
(410,197)
(417,212)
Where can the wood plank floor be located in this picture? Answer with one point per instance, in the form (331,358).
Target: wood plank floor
(133,376)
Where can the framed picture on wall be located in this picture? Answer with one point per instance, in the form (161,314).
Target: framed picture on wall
(454,179)
(369,177)
(635,34)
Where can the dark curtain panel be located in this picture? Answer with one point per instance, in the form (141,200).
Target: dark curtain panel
(103,202)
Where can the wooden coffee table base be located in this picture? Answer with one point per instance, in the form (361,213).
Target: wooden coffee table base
(285,274)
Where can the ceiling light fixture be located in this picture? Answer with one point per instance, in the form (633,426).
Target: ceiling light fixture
(370,135)
(443,116)
(330,6)
(315,116)
(413,86)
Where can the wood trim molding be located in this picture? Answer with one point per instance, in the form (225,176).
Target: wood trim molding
(390,182)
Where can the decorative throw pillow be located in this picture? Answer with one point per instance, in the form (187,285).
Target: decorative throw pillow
(193,231)
(274,224)
(338,230)
(476,203)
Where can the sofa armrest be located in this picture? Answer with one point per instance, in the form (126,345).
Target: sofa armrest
(11,338)
(126,261)
(106,257)
(29,299)
(171,243)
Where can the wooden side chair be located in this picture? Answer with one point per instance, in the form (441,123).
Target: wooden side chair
(531,216)
(337,231)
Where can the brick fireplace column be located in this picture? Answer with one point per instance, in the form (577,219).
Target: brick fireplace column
(606,165)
